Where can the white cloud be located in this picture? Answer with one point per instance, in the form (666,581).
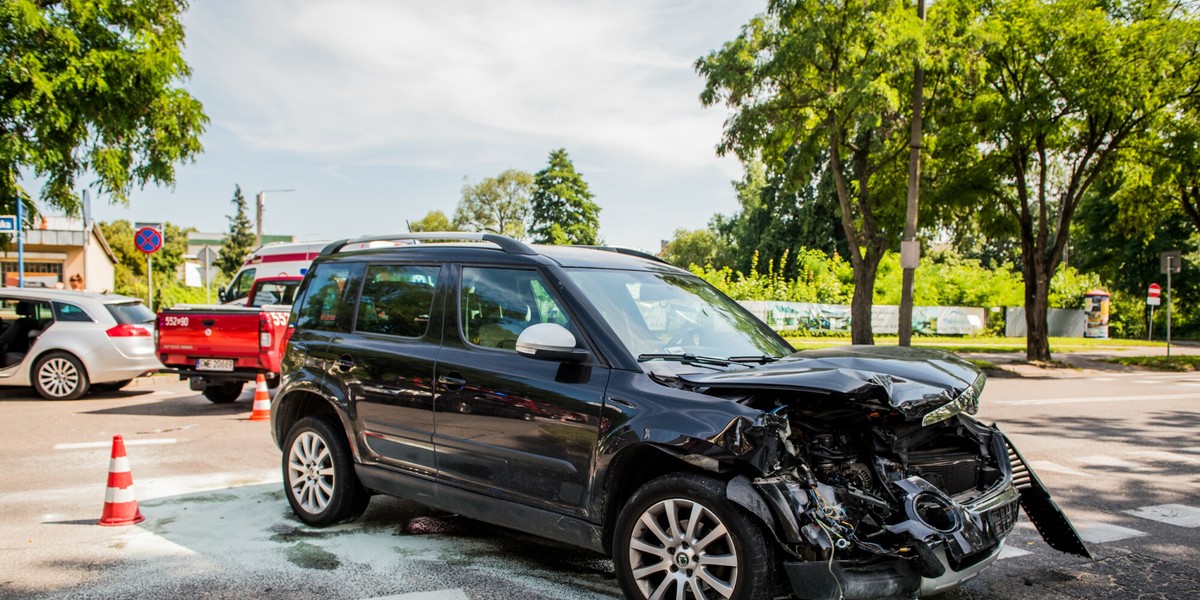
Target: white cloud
(446,83)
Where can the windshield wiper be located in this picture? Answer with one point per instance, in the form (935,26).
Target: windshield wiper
(760,359)
(687,358)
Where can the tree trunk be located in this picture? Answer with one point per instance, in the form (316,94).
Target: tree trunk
(1037,303)
(863,299)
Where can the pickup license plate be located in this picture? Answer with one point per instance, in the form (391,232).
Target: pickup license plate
(214,364)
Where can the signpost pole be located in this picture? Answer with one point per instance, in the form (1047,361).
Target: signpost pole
(1150,335)
(207,278)
(1169,268)
(150,282)
(20,245)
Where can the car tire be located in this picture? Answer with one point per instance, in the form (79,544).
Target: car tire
(738,564)
(318,473)
(223,393)
(110,386)
(60,376)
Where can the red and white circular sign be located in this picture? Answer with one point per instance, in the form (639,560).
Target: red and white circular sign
(1154,290)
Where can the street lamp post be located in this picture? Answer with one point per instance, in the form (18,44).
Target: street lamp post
(261,198)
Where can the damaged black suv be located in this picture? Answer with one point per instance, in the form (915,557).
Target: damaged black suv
(603,398)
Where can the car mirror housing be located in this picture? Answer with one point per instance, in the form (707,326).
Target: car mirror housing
(221,295)
(549,341)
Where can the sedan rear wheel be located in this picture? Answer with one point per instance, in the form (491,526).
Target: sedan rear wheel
(680,537)
(60,376)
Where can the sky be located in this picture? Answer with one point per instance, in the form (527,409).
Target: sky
(378,111)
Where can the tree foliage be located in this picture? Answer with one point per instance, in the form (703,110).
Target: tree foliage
(698,247)
(496,205)
(561,209)
(1068,84)
(811,80)
(93,86)
(240,240)
(434,220)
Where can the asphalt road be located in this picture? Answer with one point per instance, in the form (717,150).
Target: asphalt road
(1120,451)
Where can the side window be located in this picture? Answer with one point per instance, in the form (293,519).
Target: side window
(240,288)
(397,299)
(70,312)
(275,292)
(498,304)
(329,302)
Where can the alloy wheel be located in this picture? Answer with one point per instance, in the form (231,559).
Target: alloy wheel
(58,377)
(680,549)
(311,473)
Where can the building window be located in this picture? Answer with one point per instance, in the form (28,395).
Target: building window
(37,274)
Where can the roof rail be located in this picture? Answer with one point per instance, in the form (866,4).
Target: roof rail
(505,243)
(628,252)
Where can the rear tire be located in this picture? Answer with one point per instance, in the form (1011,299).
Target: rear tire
(60,376)
(223,393)
(680,537)
(318,473)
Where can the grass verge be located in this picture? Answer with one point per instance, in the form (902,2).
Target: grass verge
(1184,363)
(979,344)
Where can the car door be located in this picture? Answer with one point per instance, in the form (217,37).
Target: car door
(510,426)
(325,313)
(387,362)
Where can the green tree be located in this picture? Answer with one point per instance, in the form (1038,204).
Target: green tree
(241,239)
(93,86)
(496,205)
(810,79)
(130,270)
(434,220)
(561,210)
(699,247)
(1068,84)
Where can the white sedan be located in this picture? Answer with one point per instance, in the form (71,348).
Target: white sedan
(64,342)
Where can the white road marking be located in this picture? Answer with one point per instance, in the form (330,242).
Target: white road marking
(1091,399)
(1103,460)
(1098,532)
(108,444)
(164,393)
(1102,379)
(1171,514)
(1039,466)
(455,594)
(1161,456)
(1189,383)
(1011,552)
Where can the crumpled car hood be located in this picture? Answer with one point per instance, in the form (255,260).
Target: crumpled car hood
(914,381)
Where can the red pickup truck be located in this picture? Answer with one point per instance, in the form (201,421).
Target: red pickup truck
(218,348)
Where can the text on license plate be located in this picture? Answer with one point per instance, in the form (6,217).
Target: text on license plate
(214,364)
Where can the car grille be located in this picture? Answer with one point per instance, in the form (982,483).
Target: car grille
(1002,519)
(951,472)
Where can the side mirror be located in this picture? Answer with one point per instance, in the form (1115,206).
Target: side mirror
(221,294)
(549,341)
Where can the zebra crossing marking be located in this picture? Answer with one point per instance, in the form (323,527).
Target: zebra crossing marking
(1104,460)
(1172,514)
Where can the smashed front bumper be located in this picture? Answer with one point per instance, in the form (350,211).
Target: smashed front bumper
(954,542)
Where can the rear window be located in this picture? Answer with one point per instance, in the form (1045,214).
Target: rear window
(130,313)
(275,292)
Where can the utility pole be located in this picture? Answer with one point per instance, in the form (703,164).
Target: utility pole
(261,199)
(910,248)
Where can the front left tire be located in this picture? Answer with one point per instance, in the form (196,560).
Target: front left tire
(60,376)
(318,473)
(680,537)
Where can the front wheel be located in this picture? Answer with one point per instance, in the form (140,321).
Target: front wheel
(223,393)
(60,376)
(318,473)
(679,537)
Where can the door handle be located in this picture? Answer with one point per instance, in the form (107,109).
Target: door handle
(452,381)
(345,362)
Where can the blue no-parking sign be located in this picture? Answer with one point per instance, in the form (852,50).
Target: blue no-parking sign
(148,239)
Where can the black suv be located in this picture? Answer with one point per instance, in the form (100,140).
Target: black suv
(603,398)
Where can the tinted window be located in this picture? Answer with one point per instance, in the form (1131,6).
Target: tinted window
(397,299)
(275,292)
(12,310)
(498,304)
(325,304)
(70,312)
(128,313)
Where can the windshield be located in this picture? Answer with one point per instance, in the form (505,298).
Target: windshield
(658,314)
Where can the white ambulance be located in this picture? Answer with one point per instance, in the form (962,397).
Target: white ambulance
(279,259)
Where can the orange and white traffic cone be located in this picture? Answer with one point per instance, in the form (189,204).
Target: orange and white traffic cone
(262,401)
(120,505)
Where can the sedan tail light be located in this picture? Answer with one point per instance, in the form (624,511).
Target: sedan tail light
(127,330)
